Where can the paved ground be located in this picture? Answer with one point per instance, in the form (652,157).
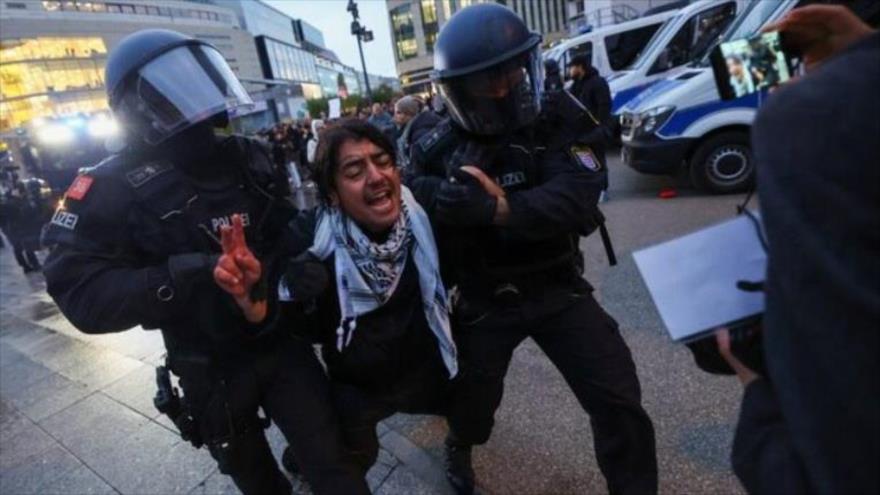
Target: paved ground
(76,414)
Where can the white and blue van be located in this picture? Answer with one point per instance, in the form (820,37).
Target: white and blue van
(611,48)
(682,122)
(685,36)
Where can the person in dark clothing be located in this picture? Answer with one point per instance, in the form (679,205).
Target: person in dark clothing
(23,217)
(135,243)
(364,283)
(509,212)
(592,91)
(552,79)
(812,425)
(413,122)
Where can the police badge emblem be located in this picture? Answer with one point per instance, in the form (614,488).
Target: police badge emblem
(584,156)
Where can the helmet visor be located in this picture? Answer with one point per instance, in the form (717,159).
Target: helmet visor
(185,86)
(499,99)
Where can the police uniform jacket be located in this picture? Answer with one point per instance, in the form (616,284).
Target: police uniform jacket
(552,193)
(136,241)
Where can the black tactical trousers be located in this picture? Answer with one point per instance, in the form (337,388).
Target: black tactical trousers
(291,387)
(583,342)
(422,391)
(25,255)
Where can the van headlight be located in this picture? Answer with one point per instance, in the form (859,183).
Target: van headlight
(654,118)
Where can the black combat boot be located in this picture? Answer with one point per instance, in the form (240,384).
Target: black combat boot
(459,468)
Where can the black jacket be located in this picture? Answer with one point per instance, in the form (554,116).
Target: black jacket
(420,125)
(818,180)
(552,198)
(593,92)
(135,243)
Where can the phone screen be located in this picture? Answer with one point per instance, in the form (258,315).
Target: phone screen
(748,65)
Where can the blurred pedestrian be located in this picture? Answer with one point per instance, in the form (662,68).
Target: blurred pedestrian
(314,138)
(552,78)
(413,122)
(20,226)
(380,118)
(592,91)
(812,425)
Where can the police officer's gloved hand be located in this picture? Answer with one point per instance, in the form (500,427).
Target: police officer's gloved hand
(306,277)
(463,201)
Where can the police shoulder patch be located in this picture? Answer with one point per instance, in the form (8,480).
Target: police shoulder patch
(145,173)
(431,139)
(79,187)
(584,156)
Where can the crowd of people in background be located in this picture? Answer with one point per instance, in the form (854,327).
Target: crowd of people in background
(403,120)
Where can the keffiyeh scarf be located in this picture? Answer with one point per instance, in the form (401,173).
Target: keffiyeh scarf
(368,273)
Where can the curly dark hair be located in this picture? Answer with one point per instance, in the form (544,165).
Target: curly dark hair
(331,139)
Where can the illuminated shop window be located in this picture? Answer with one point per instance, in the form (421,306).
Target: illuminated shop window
(31,78)
(19,112)
(404,33)
(14,50)
(429,23)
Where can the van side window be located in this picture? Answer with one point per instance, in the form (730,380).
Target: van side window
(695,37)
(582,49)
(625,46)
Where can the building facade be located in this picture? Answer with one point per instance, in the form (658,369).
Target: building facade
(415,25)
(52,53)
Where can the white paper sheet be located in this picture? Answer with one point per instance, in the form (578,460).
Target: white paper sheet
(335,107)
(692,279)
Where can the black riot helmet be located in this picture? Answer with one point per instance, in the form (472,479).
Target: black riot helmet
(487,66)
(161,82)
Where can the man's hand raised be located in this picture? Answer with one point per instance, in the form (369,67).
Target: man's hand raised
(238,270)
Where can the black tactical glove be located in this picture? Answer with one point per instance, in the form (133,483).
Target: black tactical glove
(306,277)
(463,201)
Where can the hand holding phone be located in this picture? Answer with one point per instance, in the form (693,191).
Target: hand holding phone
(747,65)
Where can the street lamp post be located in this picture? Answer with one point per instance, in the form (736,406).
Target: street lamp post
(363,36)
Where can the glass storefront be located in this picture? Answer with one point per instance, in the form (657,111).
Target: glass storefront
(404,33)
(429,23)
(289,62)
(41,77)
(329,82)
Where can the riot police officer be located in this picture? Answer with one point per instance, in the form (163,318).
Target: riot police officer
(510,210)
(22,213)
(136,241)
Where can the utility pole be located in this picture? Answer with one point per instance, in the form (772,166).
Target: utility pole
(363,36)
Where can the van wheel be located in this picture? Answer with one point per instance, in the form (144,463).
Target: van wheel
(723,163)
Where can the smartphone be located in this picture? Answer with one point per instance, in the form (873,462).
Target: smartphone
(748,65)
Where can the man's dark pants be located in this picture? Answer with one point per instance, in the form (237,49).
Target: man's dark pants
(584,343)
(422,391)
(292,388)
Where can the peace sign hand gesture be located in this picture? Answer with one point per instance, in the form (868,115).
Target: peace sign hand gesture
(237,270)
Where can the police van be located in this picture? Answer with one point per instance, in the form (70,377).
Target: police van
(610,48)
(685,36)
(681,122)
